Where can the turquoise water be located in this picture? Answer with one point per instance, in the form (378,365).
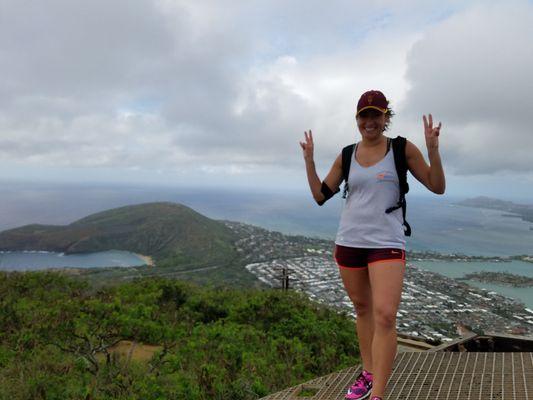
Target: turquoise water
(26,261)
(459,269)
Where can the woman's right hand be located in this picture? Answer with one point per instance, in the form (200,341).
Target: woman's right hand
(308,146)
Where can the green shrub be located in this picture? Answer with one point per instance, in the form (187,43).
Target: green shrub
(215,342)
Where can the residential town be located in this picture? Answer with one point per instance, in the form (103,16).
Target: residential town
(432,305)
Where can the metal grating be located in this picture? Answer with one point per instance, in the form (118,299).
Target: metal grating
(436,376)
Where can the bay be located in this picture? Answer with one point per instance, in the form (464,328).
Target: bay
(457,269)
(38,260)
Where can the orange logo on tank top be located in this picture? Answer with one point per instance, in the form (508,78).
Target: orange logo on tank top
(385,176)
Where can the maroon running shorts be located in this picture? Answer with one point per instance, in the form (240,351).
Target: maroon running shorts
(353,257)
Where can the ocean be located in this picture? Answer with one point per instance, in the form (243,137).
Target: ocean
(437,223)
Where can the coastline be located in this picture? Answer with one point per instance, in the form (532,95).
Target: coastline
(457,270)
(147,259)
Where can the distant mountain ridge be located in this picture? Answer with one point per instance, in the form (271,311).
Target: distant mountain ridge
(168,232)
(525,211)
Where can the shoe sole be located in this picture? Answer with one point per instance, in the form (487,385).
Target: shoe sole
(360,398)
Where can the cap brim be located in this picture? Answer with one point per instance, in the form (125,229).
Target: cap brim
(383,110)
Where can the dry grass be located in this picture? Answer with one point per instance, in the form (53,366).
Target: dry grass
(139,351)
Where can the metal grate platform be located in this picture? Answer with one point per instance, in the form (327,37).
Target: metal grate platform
(435,376)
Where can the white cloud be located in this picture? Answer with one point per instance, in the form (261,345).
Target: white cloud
(229,88)
(473,71)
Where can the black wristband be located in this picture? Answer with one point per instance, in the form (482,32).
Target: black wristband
(327,192)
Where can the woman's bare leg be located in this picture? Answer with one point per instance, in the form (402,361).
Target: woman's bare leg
(357,285)
(386,282)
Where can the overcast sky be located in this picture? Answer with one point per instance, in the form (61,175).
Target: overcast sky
(220,92)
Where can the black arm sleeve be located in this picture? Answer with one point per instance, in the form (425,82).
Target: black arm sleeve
(327,192)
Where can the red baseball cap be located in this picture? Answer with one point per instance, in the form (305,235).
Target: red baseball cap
(372,99)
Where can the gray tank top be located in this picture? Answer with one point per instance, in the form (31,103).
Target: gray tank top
(364,222)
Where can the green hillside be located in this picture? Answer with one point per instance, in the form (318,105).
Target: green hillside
(170,233)
(60,339)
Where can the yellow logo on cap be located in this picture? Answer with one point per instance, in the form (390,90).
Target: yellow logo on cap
(370,98)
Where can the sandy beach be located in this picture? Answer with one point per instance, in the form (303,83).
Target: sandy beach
(147,259)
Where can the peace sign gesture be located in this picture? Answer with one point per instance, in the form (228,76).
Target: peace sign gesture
(431,133)
(308,146)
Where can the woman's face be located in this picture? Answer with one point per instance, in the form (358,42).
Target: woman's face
(371,123)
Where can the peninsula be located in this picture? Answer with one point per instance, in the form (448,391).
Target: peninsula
(523,211)
(503,278)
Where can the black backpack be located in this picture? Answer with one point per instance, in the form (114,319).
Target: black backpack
(400,161)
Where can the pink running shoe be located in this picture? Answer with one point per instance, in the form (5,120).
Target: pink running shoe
(376,398)
(361,387)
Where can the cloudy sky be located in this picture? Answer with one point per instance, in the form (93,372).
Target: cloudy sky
(220,92)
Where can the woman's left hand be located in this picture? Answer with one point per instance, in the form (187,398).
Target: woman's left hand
(431,133)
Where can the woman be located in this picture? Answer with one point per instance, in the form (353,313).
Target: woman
(370,244)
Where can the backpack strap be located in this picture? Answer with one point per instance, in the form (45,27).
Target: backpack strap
(400,161)
(347,153)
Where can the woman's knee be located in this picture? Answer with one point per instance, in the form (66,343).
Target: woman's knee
(362,306)
(385,317)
